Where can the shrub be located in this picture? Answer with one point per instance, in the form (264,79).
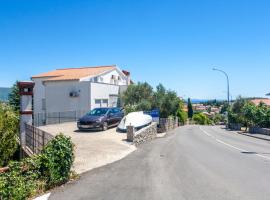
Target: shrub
(218,118)
(21,181)
(182,116)
(52,167)
(9,123)
(201,119)
(57,159)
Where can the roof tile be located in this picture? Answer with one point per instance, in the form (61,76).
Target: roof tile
(74,73)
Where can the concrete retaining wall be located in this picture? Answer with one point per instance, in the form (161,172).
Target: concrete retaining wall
(263,131)
(143,135)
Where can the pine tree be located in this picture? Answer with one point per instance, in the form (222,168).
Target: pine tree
(14,97)
(190,109)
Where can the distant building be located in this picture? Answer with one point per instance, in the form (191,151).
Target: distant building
(263,100)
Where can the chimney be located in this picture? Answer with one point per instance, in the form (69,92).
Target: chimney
(127,73)
(26,108)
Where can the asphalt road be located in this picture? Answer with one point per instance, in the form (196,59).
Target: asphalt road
(194,163)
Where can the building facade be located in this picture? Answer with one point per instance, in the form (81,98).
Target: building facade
(78,89)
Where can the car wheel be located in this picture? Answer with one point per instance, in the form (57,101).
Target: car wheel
(105,126)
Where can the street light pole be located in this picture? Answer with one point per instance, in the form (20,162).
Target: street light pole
(228,83)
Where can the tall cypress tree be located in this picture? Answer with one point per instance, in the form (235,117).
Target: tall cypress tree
(190,109)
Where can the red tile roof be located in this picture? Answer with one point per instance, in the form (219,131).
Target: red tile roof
(258,101)
(74,73)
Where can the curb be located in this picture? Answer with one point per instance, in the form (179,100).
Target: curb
(253,136)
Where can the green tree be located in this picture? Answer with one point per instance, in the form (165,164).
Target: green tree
(9,123)
(142,97)
(169,104)
(235,113)
(190,109)
(136,93)
(224,108)
(249,111)
(14,97)
(202,119)
(158,96)
(181,114)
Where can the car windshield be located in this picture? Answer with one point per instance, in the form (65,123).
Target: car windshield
(98,111)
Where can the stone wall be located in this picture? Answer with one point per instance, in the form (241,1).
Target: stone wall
(167,124)
(143,135)
(263,131)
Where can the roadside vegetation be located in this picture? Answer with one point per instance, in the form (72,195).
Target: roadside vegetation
(9,127)
(9,133)
(248,114)
(32,176)
(142,97)
(25,178)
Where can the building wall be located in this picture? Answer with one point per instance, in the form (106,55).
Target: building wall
(100,91)
(106,78)
(39,94)
(58,96)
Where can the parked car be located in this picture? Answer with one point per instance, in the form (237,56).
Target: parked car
(100,118)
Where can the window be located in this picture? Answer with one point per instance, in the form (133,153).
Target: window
(43,104)
(105,101)
(97,101)
(101,103)
(115,110)
(95,79)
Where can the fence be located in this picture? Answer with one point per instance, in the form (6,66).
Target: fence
(41,119)
(36,139)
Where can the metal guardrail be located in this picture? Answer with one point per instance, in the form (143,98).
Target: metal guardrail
(36,139)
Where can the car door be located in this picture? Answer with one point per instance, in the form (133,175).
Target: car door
(117,115)
(110,118)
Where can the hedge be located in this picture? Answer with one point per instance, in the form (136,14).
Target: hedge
(40,172)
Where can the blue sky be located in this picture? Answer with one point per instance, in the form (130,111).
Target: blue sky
(175,43)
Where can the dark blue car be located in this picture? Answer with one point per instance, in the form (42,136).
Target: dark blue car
(100,118)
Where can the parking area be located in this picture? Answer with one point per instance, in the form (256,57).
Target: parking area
(93,148)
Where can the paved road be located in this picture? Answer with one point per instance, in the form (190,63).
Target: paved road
(194,163)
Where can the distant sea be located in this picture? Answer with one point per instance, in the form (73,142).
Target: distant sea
(203,100)
(4,93)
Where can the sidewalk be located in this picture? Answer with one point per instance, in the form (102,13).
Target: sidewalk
(255,135)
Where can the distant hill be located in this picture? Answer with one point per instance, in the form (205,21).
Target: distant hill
(4,93)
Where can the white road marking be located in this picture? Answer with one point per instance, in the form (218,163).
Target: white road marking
(229,145)
(220,141)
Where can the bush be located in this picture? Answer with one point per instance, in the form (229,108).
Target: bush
(182,116)
(22,180)
(57,159)
(202,119)
(218,118)
(52,167)
(9,128)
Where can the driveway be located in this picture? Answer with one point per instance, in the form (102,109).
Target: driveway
(205,163)
(93,148)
